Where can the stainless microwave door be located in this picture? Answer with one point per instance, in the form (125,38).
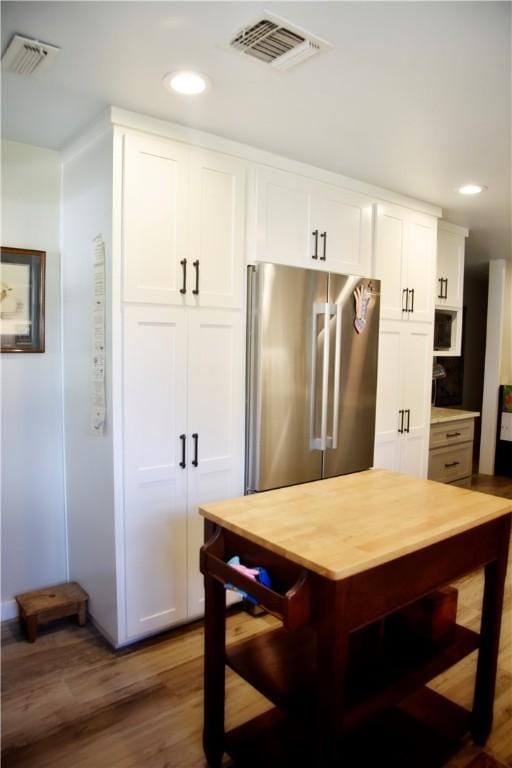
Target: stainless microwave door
(284,393)
(352,374)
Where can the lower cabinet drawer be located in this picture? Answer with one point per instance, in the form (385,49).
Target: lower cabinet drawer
(448,433)
(449,464)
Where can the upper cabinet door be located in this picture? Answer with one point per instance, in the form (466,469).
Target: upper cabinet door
(283,219)
(216,365)
(155,391)
(344,223)
(420,270)
(450,268)
(155,182)
(390,259)
(217,231)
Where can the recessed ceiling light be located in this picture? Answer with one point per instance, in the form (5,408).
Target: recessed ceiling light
(187,82)
(471,189)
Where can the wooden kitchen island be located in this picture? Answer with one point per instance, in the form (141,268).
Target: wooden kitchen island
(344,554)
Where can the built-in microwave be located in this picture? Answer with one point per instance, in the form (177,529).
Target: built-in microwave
(442,331)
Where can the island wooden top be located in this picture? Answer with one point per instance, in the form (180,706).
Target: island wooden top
(346,525)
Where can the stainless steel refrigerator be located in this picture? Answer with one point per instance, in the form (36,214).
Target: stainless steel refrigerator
(312,375)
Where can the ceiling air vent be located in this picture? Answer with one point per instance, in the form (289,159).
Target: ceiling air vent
(26,56)
(277,42)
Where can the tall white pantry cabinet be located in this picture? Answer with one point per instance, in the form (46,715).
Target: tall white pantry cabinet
(173,220)
(181,214)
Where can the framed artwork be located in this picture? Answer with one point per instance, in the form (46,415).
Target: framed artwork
(22,300)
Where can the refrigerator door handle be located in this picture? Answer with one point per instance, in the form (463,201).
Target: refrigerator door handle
(319,443)
(337,373)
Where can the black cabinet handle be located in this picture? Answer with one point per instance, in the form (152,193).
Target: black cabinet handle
(195,438)
(405,293)
(401,427)
(412,300)
(324,236)
(445,288)
(452,464)
(440,294)
(315,235)
(183,263)
(196,289)
(183,439)
(453,434)
(407,428)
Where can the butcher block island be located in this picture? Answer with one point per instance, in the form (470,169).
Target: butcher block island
(359,566)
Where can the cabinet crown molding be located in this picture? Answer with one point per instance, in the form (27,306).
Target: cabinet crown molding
(455,229)
(125,119)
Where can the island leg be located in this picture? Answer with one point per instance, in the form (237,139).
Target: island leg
(332,662)
(214,670)
(492,606)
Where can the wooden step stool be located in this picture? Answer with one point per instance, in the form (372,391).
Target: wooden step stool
(43,605)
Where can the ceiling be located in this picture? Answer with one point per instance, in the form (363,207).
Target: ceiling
(415,96)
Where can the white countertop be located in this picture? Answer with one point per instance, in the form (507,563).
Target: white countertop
(439,415)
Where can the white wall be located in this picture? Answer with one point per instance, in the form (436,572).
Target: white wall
(497,360)
(506,347)
(87,212)
(33,510)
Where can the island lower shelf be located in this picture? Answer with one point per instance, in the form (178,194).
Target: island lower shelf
(423,731)
(281,665)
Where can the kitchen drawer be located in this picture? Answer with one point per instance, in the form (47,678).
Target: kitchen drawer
(450,432)
(452,463)
(289,596)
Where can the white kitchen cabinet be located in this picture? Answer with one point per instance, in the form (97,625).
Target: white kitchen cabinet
(217,231)
(183,224)
(154,219)
(303,223)
(183,446)
(403,397)
(284,230)
(344,223)
(155,485)
(451,242)
(405,257)
(215,425)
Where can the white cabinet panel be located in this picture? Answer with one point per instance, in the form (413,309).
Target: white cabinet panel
(387,448)
(405,253)
(403,384)
(155,192)
(155,483)
(305,223)
(344,222)
(450,269)
(284,231)
(389,268)
(217,218)
(416,367)
(421,253)
(215,415)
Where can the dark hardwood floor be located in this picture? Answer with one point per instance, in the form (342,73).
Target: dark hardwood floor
(70,701)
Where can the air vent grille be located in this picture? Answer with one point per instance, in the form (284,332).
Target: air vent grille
(26,56)
(266,40)
(277,42)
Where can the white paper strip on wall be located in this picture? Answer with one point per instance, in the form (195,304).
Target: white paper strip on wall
(98,406)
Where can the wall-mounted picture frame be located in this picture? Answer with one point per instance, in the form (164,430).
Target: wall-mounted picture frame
(22,277)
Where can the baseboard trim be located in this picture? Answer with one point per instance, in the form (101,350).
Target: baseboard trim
(9,610)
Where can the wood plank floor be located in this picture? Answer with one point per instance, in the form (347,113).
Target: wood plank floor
(70,700)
